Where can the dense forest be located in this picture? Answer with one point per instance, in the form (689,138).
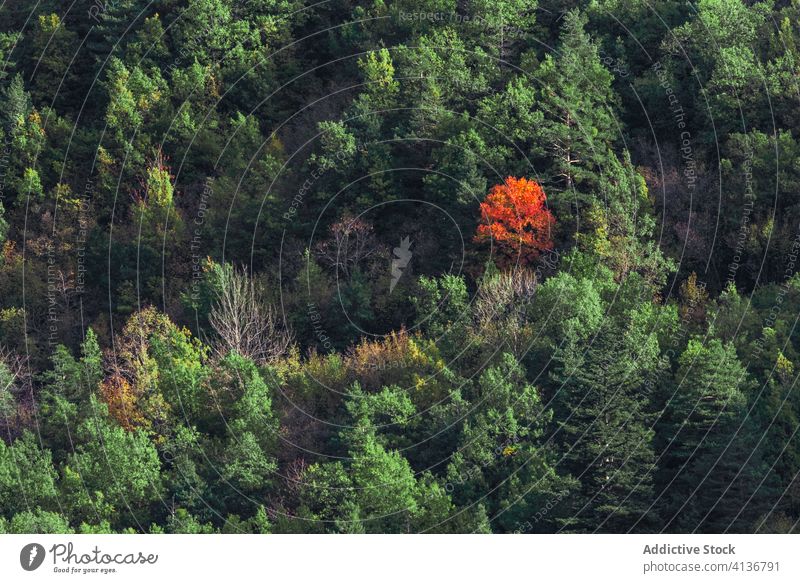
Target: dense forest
(343,266)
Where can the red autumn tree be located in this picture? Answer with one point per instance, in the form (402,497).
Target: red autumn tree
(514,217)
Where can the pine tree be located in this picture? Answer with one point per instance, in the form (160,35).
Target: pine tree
(113,27)
(620,225)
(578,101)
(504,462)
(55,79)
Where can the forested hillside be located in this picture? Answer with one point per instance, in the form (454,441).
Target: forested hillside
(273,266)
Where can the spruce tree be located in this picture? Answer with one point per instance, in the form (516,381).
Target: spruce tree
(602,391)
(709,468)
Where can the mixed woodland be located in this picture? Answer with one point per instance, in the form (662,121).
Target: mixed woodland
(407,266)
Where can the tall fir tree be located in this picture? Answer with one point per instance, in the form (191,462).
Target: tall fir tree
(710,472)
(603,390)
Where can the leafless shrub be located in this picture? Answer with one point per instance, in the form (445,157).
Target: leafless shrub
(244,322)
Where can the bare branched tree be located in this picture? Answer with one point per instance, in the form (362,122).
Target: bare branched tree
(501,308)
(16,398)
(506,292)
(244,322)
(351,241)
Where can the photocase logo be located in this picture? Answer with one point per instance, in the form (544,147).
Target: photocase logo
(31,556)
(402,255)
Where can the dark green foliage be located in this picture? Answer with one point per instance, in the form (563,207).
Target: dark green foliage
(713,470)
(603,391)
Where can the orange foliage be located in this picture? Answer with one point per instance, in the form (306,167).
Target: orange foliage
(515,218)
(129,390)
(409,362)
(375,363)
(117,393)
